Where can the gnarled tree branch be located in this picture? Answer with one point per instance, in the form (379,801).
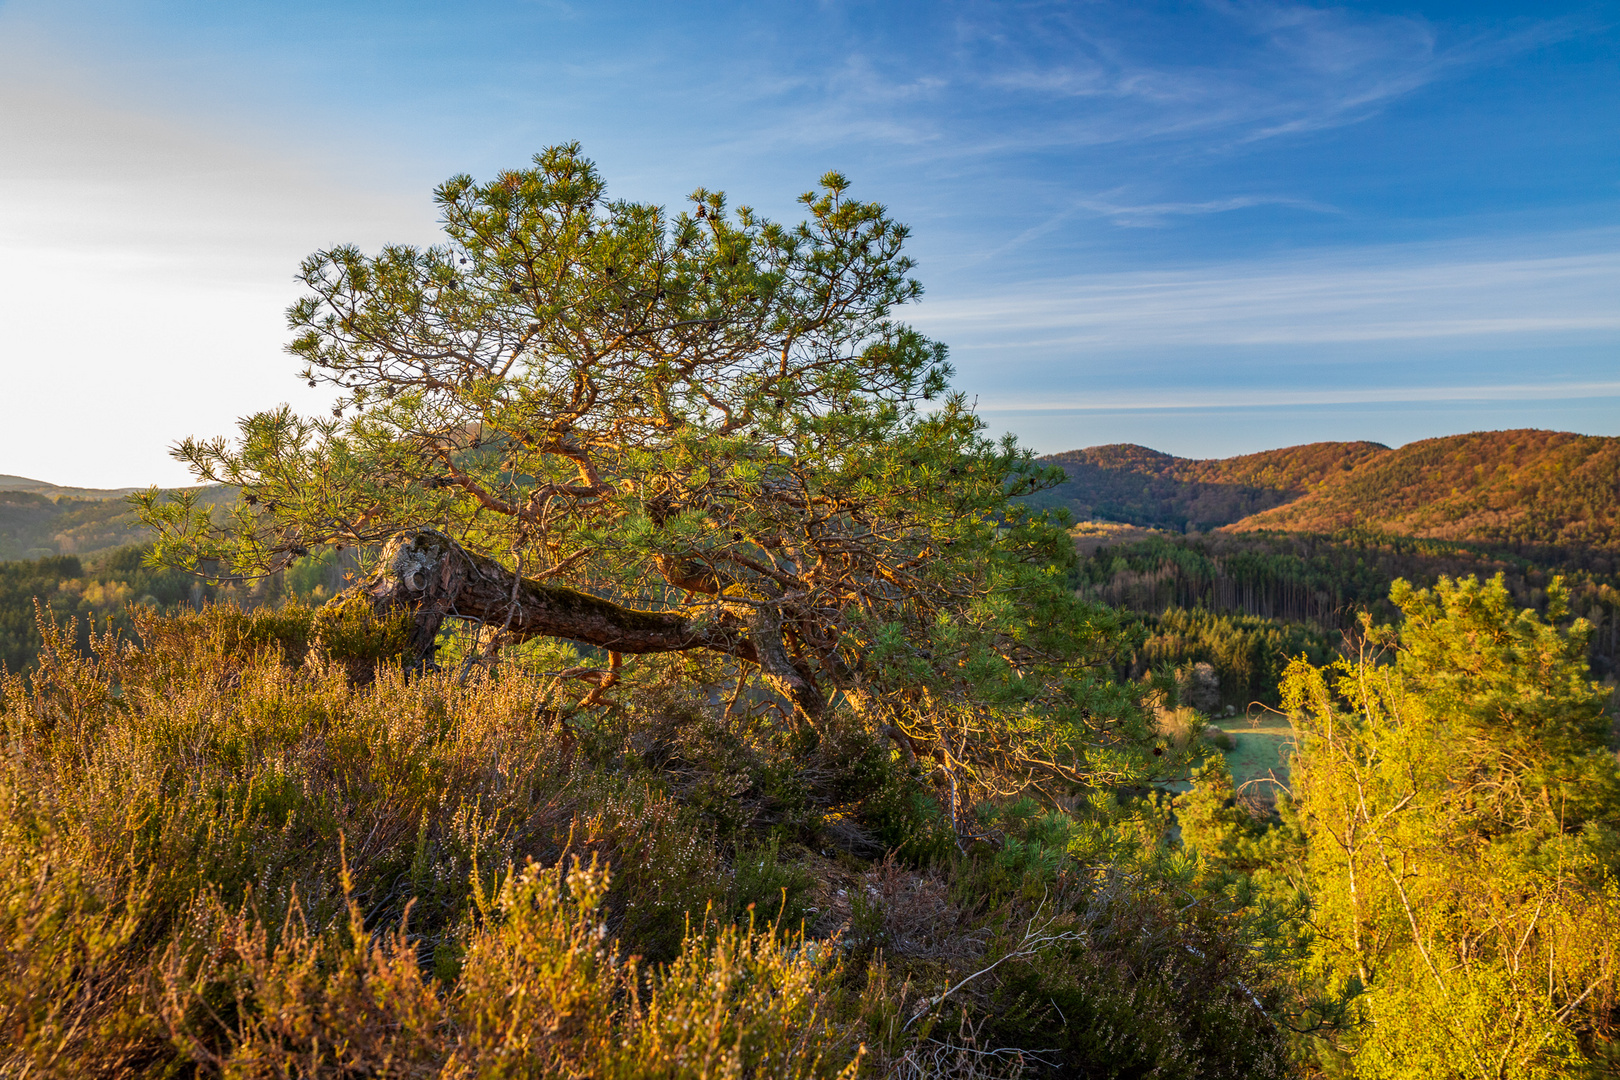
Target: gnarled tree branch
(430,575)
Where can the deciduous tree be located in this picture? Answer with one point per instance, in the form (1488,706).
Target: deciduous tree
(1459,809)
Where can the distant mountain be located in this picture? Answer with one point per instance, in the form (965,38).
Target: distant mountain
(38,519)
(1129,483)
(1509,486)
(41,487)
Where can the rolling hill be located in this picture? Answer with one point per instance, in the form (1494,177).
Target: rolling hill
(57,491)
(1508,486)
(38,519)
(1520,486)
(1129,483)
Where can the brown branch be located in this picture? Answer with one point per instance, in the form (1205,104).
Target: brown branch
(430,575)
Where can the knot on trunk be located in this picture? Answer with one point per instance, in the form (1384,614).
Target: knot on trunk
(416,568)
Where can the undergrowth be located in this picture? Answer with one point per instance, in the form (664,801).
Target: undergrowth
(223,852)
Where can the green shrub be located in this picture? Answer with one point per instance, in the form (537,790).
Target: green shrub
(774,891)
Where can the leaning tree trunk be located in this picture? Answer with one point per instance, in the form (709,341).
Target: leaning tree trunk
(434,578)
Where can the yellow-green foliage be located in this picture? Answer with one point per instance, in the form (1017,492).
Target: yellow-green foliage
(349,630)
(1460,812)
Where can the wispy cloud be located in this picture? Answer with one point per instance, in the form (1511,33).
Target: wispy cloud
(1391,293)
(1252,71)
(1251,398)
(1140,215)
(1048,75)
(1148,215)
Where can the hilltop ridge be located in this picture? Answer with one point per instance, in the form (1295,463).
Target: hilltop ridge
(39,519)
(1135,484)
(56,491)
(1524,485)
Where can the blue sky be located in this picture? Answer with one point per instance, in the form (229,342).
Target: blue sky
(1211,227)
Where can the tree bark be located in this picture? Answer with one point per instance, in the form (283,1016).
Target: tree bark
(434,578)
(781,673)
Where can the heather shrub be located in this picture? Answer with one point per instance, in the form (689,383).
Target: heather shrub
(222,853)
(768,885)
(1142,980)
(544,991)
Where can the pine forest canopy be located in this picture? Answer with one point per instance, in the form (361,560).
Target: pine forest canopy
(654,432)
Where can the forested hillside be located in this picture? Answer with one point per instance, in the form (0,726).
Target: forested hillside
(107,590)
(34,526)
(1129,483)
(1312,536)
(39,520)
(96,593)
(1523,486)
(1312,585)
